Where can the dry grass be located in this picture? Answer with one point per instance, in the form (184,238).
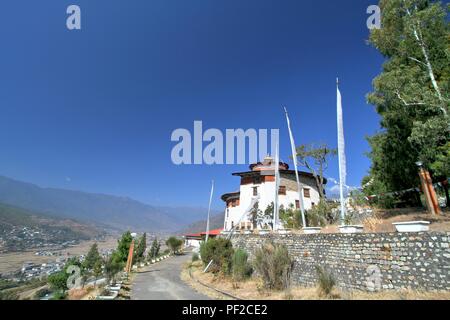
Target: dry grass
(253,290)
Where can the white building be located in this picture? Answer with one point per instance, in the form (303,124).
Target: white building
(258,184)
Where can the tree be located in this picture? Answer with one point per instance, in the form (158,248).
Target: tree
(411,94)
(174,244)
(112,267)
(154,249)
(290,217)
(98,270)
(315,159)
(254,215)
(123,247)
(58,280)
(92,257)
(141,247)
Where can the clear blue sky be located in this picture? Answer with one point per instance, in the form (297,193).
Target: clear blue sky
(93,110)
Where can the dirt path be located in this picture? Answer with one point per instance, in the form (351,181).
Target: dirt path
(161,281)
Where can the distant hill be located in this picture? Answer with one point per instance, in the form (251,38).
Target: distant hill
(21,229)
(215,222)
(120,213)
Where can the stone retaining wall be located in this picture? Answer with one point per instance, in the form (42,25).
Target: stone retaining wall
(383,261)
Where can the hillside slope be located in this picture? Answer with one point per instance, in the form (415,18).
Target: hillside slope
(115,212)
(21,229)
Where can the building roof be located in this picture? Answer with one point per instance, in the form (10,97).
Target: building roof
(231,195)
(193,235)
(214,232)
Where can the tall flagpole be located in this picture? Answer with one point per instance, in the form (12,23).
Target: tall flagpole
(341,152)
(294,157)
(277,186)
(209,210)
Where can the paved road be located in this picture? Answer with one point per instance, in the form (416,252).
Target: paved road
(161,281)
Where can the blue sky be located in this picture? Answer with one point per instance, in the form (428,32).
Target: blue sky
(94,109)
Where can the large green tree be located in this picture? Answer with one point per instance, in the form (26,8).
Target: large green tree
(411,94)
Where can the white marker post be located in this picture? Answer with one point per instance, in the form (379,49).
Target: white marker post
(294,158)
(209,210)
(277,186)
(341,152)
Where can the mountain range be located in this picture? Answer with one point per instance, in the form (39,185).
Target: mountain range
(107,211)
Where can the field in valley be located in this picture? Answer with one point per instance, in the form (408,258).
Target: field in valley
(10,262)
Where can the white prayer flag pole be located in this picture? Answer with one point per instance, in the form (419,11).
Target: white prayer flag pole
(209,210)
(294,157)
(341,152)
(277,186)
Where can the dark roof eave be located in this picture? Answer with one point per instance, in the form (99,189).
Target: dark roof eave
(256,173)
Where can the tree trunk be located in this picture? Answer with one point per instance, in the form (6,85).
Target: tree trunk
(421,43)
(447,195)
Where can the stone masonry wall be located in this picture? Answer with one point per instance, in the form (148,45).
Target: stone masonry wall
(383,261)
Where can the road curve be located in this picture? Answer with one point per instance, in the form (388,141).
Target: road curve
(161,281)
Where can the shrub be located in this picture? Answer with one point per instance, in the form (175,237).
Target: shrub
(195,257)
(290,217)
(240,267)
(59,295)
(174,244)
(42,293)
(320,215)
(274,265)
(220,251)
(9,295)
(326,281)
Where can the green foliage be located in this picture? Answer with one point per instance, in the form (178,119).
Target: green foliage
(58,280)
(220,251)
(290,217)
(41,293)
(97,269)
(255,214)
(174,244)
(140,248)
(113,265)
(59,295)
(154,249)
(319,215)
(241,269)
(441,166)
(326,281)
(274,265)
(414,116)
(123,247)
(195,257)
(92,257)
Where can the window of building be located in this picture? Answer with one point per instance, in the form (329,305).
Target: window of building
(255,191)
(297,204)
(257,180)
(282,190)
(306,193)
